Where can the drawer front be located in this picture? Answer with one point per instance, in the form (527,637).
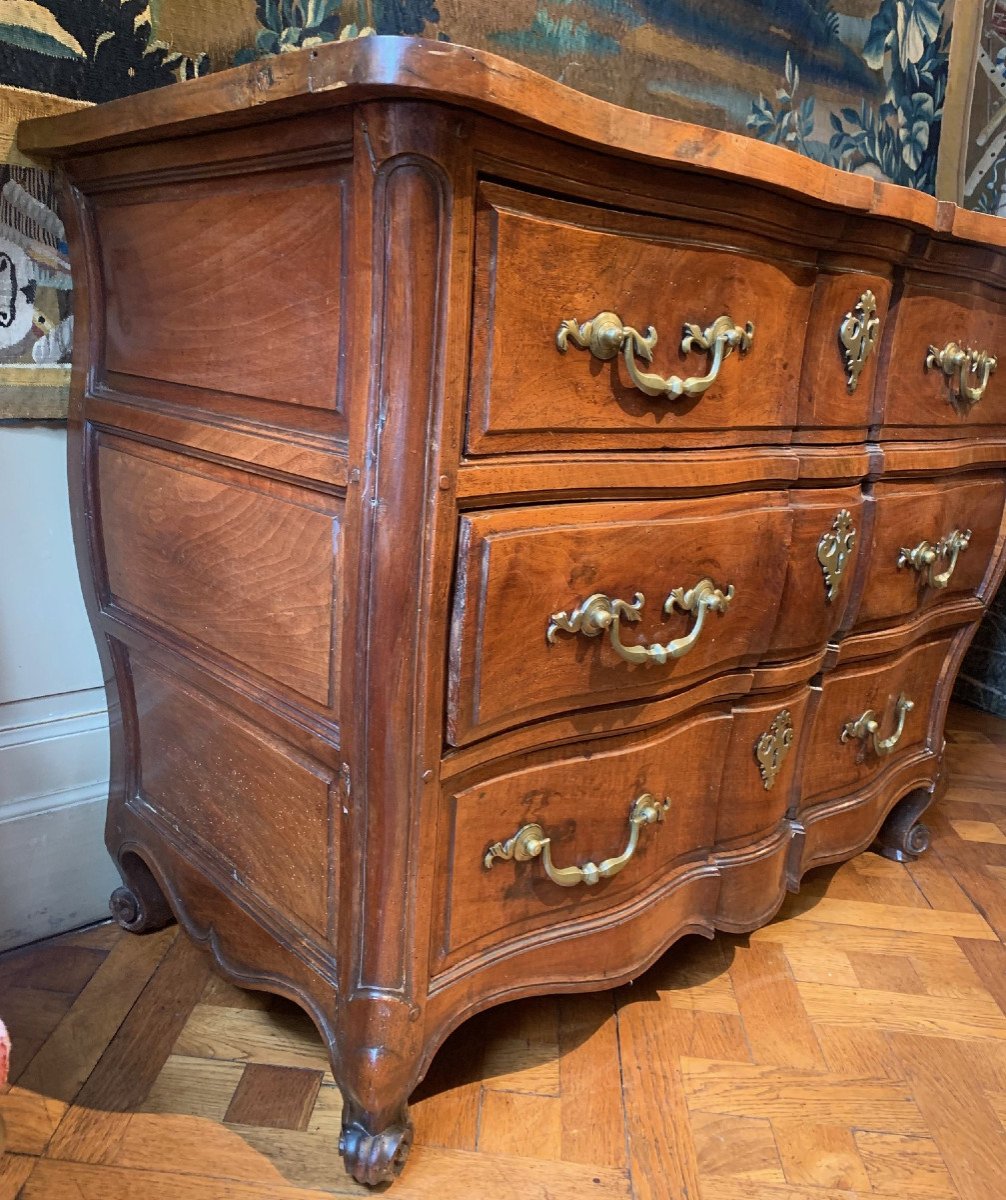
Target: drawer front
(514,658)
(842,754)
(846,327)
(759,769)
(538,269)
(920,551)
(825,548)
(920,395)
(583,805)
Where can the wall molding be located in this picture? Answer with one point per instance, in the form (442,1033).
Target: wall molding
(54,751)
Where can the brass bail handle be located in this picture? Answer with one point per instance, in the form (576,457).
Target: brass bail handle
(600,612)
(966,370)
(605,335)
(924,557)
(867,727)
(530,842)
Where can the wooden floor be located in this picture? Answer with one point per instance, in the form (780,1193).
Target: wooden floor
(855,1047)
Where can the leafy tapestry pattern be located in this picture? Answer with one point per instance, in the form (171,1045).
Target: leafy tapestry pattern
(909,44)
(291,24)
(97,51)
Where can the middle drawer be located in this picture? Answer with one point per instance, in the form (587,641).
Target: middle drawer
(573,606)
(933,541)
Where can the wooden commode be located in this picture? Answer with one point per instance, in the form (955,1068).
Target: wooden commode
(519,531)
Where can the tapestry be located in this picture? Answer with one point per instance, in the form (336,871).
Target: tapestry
(858,84)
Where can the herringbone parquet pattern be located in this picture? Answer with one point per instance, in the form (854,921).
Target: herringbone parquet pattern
(855,1047)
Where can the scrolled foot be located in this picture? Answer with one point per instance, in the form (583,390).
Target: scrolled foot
(373,1158)
(139,905)
(903,837)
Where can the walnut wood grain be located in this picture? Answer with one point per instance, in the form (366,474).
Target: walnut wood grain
(932,314)
(583,805)
(911,512)
(826,398)
(216,778)
(232,312)
(518,567)
(207,553)
(833,766)
(576,263)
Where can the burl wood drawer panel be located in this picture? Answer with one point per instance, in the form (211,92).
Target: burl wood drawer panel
(251,300)
(524,574)
(583,804)
(224,560)
(921,395)
(840,758)
(540,263)
(921,552)
(216,779)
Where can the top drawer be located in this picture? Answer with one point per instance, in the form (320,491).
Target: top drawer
(928,382)
(543,262)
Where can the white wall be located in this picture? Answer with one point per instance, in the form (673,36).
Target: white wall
(55,873)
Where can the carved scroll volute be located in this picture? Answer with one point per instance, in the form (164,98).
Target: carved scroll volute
(833,551)
(858,335)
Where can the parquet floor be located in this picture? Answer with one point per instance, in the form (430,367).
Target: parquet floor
(855,1047)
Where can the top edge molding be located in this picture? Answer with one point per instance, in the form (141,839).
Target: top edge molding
(376,68)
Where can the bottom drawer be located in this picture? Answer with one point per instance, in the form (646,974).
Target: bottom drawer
(583,806)
(725,776)
(869,716)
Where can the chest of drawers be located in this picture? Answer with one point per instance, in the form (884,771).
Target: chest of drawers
(518,531)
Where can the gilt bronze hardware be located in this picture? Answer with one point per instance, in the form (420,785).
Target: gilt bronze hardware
(530,842)
(604,335)
(867,726)
(924,557)
(833,551)
(858,334)
(599,613)
(773,746)
(961,364)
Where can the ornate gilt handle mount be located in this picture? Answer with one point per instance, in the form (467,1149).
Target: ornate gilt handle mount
(605,335)
(600,612)
(530,842)
(867,727)
(967,370)
(924,557)
(858,335)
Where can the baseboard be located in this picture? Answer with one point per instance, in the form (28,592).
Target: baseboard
(55,873)
(53,752)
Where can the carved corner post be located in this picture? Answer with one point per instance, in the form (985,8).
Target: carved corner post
(405,390)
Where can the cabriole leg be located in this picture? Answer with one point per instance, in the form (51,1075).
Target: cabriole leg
(377,1067)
